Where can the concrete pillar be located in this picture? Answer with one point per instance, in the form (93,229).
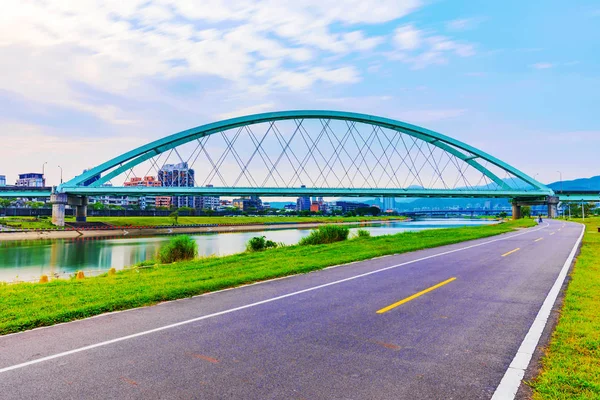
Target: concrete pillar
(552,210)
(553,206)
(58,201)
(81,210)
(516,211)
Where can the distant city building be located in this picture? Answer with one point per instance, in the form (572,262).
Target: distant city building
(208,202)
(178,175)
(388,204)
(109,200)
(252,203)
(318,205)
(303,203)
(31,180)
(347,206)
(144,201)
(91,180)
(2,180)
(162,201)
(290,207)
(147,181)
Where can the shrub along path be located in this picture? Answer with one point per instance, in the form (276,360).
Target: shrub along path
(26,306)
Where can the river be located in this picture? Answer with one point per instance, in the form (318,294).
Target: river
(29,260)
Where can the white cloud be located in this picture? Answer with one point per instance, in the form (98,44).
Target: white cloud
(464,24)
(542,65)
(420,48)
(49,49)
(407,37)
(256,109)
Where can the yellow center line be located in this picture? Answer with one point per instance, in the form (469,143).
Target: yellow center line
(537,240)
(414,296)
(510,252)
(552,233)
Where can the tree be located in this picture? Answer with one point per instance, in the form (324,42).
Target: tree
(5,203)
(187,210)
(34,204)
(526,211)
(97,206)
(175,216)
(502,215)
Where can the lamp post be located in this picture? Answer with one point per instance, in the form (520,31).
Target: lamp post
(43,170)
(61,171)
(561,181)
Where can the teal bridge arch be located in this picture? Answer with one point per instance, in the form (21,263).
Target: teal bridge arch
(363,155)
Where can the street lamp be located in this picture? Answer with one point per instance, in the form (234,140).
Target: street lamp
(561,181)
(43,169)
(60,174)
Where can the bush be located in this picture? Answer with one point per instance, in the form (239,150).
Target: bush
(259,243)
(326,234)
(179,248)
(362,233)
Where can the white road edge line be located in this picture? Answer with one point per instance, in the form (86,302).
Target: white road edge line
(189,321)
(509,385)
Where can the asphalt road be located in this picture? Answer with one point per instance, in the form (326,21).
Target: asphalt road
(313,336)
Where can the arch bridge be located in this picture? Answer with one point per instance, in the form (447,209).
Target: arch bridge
(303,153)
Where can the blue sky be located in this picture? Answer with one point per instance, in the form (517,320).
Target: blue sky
(84,82)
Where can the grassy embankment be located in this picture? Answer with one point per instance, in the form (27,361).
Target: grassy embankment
(25,305)
(571,366)
(42,223)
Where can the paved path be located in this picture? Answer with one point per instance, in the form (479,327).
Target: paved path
(314,336)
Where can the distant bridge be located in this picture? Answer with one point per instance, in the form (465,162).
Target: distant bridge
(301,153)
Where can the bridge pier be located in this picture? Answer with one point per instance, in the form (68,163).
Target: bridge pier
(81,209)
(59,202)
(516,211)
(553,206)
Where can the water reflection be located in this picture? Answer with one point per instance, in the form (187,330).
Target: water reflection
(27,260)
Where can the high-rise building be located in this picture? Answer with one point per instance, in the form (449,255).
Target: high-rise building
(178,175)
(2,180)
(303,203)
(31,180)
(389,204)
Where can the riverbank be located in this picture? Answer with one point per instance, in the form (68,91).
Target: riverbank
(570,368)
(25,306)
(137,227)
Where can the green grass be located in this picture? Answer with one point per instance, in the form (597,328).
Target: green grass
(26,305)
(155,221)
(46,223)
(30,222)
(571,366)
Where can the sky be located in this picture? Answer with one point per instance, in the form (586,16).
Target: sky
(84,81)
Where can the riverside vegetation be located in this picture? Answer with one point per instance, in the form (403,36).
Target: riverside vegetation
(28,305)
